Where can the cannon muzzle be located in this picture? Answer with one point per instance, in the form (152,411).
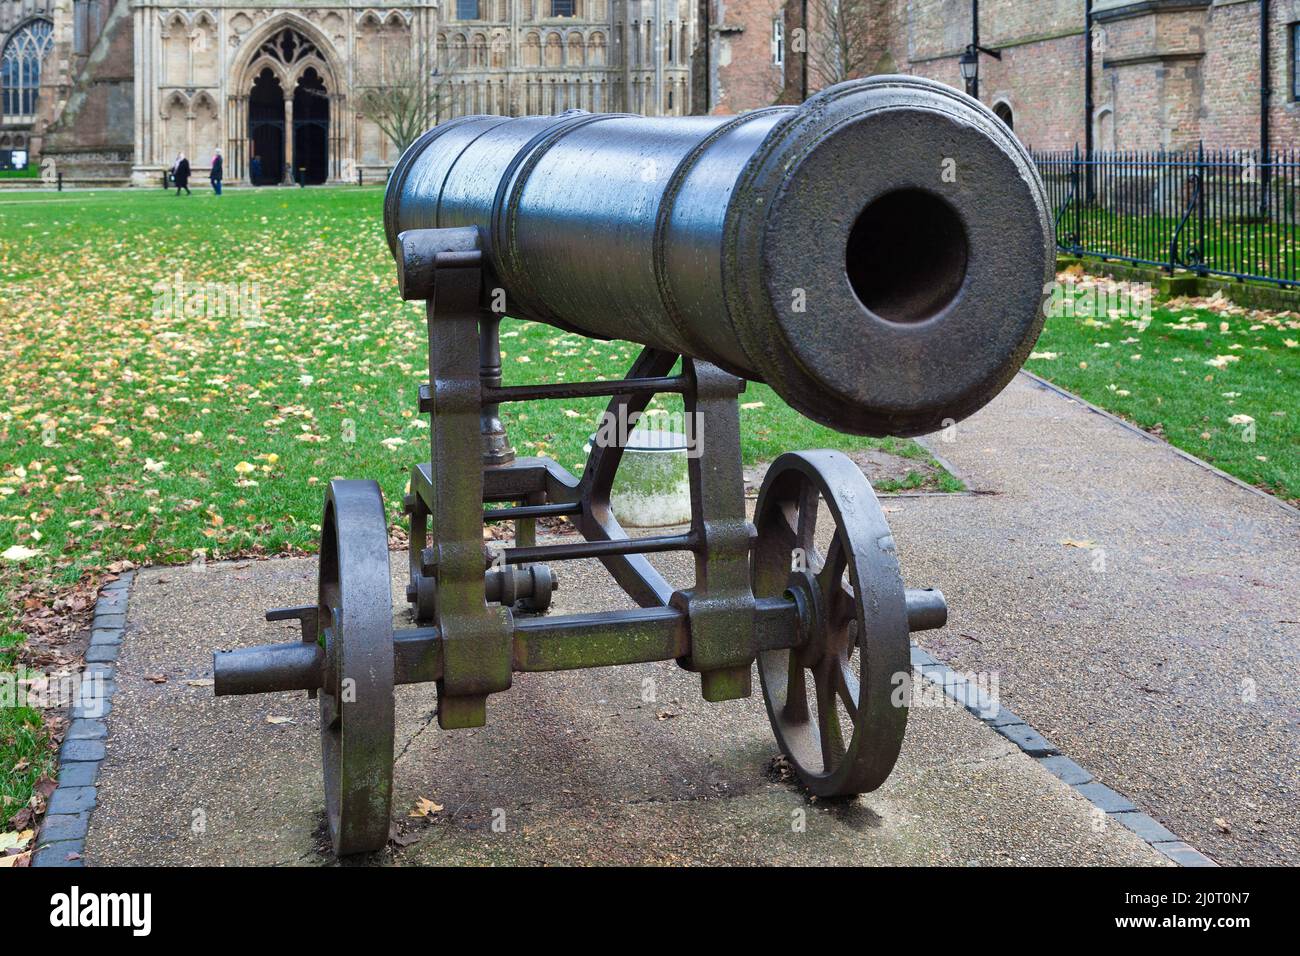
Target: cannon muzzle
(877,255)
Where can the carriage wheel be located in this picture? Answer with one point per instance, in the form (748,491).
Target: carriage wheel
(838,701)
(356,701)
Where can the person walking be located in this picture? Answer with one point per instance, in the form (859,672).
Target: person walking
(181,174)
(215,173)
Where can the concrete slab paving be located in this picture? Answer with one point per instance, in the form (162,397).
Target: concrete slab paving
(573,768)
(1139,610)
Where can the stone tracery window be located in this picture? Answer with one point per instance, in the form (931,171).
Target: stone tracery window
(288,46)
(20,67)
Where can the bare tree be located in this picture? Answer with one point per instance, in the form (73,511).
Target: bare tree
(403,98)
(839,43)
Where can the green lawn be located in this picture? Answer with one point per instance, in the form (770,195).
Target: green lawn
(1212,378)
(132,429)
(135,428)
(25,754)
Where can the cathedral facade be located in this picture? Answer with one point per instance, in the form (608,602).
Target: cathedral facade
(114,90)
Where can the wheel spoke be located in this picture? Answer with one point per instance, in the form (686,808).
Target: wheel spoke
(787,536)
(837,595)
(796,693)
(809,497)
(330,714)
(828,716)
(846,685)
(806,532)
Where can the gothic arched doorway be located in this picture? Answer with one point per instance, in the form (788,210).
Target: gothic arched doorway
(311,123)
(289,109)
(266,129)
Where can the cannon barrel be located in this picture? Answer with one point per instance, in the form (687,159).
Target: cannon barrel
(877,255)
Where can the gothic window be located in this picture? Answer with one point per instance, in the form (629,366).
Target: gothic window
(20,67)
(289,46)
(466,9)
(561,8)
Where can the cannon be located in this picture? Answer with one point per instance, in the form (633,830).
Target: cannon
(877,255)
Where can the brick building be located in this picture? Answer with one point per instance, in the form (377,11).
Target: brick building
(1165,73)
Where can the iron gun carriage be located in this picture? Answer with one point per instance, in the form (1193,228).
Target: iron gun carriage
(877,255)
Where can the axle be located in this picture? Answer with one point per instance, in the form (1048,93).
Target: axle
(540,644)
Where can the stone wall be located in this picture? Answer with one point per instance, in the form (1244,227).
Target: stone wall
(1038,83)
(746,69)
(1232,98)
(90,134)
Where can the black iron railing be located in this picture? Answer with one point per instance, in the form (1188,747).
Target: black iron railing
(1215,212)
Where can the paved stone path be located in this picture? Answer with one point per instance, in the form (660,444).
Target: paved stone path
(580,769)
(1164,655)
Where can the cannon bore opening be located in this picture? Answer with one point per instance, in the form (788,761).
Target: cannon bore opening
(906,256)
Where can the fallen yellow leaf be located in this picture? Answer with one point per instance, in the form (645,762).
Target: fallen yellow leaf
(424,807)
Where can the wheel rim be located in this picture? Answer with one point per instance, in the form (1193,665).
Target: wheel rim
(356,701)
(837,702)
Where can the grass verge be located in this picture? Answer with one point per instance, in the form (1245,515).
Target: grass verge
(1215,379)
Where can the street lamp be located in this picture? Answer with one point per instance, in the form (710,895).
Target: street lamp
(970,66)
(970,69)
